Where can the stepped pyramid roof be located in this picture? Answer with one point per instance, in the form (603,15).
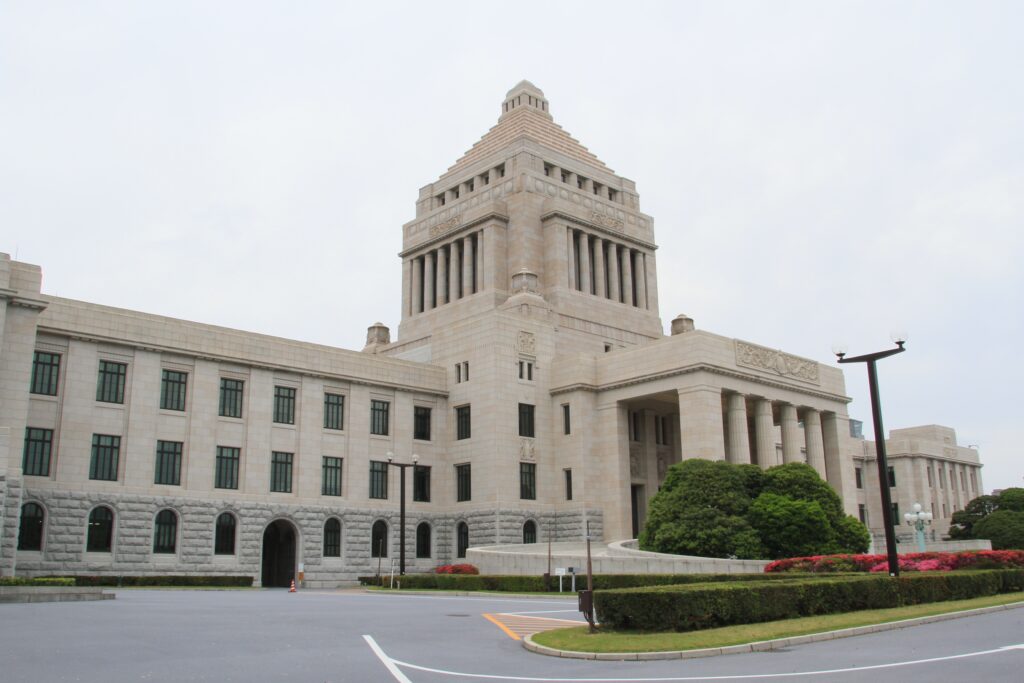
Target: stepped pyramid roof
(525,114)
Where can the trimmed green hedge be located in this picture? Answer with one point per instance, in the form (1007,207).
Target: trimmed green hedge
(692,607)
(225,581)
(23,581)
(535,584)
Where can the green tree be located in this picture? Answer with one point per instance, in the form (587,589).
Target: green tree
(789,526)
(1012,499)
(963,521)
(706,532)
(801,482)
(1005,528)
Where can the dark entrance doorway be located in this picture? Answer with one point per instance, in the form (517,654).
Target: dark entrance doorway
(636,492)
(278,554)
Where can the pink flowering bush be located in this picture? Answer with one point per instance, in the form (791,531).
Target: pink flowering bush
(456,569)
(911,562)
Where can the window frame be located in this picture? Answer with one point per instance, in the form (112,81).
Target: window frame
(168,461)
(281,464)
(31,539)
(379,480)
(378,549)
(231,399)
(424,542)
(567,475)
(461,539)
(566,419)
(334,411)
(284,404)
(165,533)
(173,389)
(93,526)
(527,481)
(332,475)
(421,417)
(332,538)
(111,454)
(463,482)
(219,534)
(531,526)
(421,483)
(111,379)
(527,421)
(463,422)
(380,417)
(37,452)
(227,467)
(45,379)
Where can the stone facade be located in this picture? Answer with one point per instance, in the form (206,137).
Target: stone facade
(530,375)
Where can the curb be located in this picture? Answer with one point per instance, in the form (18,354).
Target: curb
(763,645)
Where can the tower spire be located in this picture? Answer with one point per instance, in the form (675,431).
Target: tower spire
(525,94)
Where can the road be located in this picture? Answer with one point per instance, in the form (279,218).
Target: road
(345,636)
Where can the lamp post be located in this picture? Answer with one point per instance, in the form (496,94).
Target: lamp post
(401,509)
(883,463)
(919,520)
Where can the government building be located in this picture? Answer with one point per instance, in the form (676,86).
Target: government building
(530,387)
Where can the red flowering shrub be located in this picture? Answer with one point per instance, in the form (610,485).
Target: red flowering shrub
(457,569)
(911,562)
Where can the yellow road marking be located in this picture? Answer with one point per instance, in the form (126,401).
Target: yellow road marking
(509,633)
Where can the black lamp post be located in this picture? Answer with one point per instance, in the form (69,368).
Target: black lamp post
(883,462)
(401,509)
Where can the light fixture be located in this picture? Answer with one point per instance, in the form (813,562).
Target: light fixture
(839,348)
(391,456)
(415,458)
(898,337)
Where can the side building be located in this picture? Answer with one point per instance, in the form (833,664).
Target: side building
(531,382)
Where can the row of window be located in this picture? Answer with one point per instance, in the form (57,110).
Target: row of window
(470,185)
(561,174)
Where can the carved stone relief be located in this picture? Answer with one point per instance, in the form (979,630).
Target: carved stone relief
(526,450)
(776,361)
(444,227)
(606,221)
(526,343)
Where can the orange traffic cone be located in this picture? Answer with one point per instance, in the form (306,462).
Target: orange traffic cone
(292,589)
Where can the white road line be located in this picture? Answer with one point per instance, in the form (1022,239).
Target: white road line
(825,672)
(543,611)
(388,663)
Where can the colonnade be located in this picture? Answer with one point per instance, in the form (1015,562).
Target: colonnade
(607,269)
(447,273)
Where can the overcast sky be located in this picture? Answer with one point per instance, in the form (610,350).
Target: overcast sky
(817,172)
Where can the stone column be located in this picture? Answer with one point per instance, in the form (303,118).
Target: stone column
(570,249)
(428,280)
(613,271)
(833,429)
(739,443)
(814,442)
(468,258)
(599,281)
(764,428)
(442,276)
(454,270)
(492,177)
(640,275)
(556,174)
(700,423)
(479,261)
(588,186)
(449,196)
(790,434)
(417,285)
(585,263)
(627,276)
(572,179)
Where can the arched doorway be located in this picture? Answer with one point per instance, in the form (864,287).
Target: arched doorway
(461,539)
(278,554)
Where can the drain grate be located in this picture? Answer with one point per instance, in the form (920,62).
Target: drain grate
(456,615)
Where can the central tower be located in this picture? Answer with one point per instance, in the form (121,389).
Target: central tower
(528,209)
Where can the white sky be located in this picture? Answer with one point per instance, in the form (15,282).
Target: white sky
(817,171)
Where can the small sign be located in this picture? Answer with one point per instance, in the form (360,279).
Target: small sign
(302,567)
(559,571)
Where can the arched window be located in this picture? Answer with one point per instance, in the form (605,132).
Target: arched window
(165,532)
(30,533)
(530,531)
(224,537)
(379,539)
(100,536)
(332,538)
(423,540)
(461,539)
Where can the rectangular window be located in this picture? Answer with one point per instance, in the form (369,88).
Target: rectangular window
(930,476)
(974,482)
(568,484)
(892,476)
(421,484)
(334,411)
(284,405)
(378,479)
(895,514)
(943,509)
(526,370)
(35,461)
(281,472)
(226,475)
(528,481)
(458,373)
(963,480)
(168,463)
(462,422)
(230,397)
(526,419)
(105,451)
(172,390)
(379,417)
(421,423)
(566,423)
(45,373)
(465,371)
(331,485)
(857,477)
(862,513)
(110,384)
(463,483)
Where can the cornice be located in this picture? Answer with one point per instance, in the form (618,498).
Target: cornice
(458,228)
(594,226)
(12,297)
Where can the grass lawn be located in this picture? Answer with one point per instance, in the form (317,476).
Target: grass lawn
(577,638)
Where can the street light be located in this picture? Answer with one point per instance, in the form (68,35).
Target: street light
(899,339)
(401,509)
(918,520)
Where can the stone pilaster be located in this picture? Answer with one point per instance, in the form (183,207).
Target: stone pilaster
(599,281)
(585,262)
(428,280)
(454,271)
(468,259)
(627,276)
(613,271)
(700,423)
(739,444)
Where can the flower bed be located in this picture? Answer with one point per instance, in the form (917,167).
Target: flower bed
(912,562)
(457,569)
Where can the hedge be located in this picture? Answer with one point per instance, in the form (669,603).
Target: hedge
(25,581)
(688,608)
(535,584)
(191,580)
